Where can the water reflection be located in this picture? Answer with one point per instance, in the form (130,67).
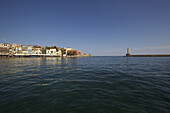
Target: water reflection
(61,63)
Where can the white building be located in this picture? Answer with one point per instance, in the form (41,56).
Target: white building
(65,49)
(18,49)
(59,53)
(51,51)
(5,45)
(13,48)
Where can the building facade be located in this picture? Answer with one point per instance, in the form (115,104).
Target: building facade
(30,49)
(73,53)
(51,51)
(4,51)
(5,45)
(14,49)
(37,49)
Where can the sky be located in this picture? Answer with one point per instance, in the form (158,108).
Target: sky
(99,27)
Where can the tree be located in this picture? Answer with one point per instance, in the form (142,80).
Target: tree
(74,53)
(57,49)
(63,51)
(48,47)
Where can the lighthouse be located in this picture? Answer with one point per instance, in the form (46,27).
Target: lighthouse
(128,53)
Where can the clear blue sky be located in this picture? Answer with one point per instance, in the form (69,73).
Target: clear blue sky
(99,27)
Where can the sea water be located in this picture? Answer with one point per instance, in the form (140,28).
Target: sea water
(85,85)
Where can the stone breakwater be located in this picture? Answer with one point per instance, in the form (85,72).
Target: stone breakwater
(147,55)
(151,55)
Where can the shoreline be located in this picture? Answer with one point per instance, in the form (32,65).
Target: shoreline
(41,55)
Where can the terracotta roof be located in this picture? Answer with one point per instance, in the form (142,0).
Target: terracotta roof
(37,46)
(73,50)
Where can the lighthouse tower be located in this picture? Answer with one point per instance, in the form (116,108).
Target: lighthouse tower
(128,53)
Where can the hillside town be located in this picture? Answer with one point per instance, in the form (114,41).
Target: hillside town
(12,50)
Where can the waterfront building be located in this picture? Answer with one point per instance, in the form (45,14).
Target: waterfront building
(65,50)
(18,49)
(14,45)
(13,49)
(24,49)
(51,51)
(43,49)
(73,53)
(5,45)
(30,49)
(4,51)
(68,48)
(58,51)
(37,49)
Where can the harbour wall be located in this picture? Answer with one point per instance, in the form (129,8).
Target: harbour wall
(147,55)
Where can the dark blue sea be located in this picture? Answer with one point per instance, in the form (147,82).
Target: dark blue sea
(85,85)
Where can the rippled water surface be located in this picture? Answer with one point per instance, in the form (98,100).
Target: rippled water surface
(85,85)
